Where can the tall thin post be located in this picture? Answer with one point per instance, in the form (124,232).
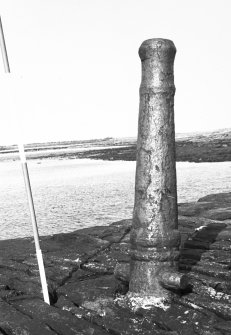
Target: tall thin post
(34,223)
(27,185)
(154,237)
(3,49)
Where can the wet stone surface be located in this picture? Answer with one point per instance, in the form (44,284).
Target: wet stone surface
(88,298)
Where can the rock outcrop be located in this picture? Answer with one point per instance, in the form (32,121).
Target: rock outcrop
(88,298)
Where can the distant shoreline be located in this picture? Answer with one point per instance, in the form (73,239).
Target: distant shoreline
(207,147)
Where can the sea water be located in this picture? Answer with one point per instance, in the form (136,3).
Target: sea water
(73,194)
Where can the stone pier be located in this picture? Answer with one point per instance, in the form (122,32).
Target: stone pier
(154,238)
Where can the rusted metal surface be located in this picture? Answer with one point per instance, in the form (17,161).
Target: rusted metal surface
(154,237)
(168,278)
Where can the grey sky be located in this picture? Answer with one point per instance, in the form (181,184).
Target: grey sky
(76,71)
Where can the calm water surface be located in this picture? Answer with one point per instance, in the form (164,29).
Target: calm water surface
(72,194)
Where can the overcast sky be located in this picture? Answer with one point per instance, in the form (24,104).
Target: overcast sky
(75,69)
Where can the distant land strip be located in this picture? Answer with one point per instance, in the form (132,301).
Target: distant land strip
(197,147)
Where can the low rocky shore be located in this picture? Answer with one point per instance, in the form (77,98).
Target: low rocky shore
(198,147)
(210,147)
(88,298)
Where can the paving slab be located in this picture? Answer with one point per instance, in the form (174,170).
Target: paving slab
(12,321)
(60,321)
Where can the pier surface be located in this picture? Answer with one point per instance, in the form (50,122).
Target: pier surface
(86,296)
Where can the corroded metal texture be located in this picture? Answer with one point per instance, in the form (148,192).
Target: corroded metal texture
(167,277)
(154,237)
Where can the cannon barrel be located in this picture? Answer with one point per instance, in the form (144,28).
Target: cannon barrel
(155,238)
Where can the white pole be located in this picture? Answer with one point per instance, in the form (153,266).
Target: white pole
(28,187)
(3,49)
(34,223)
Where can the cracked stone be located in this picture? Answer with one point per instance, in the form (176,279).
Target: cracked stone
(61,321)
(14,322)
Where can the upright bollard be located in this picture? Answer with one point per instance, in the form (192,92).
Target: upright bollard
(154,237)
